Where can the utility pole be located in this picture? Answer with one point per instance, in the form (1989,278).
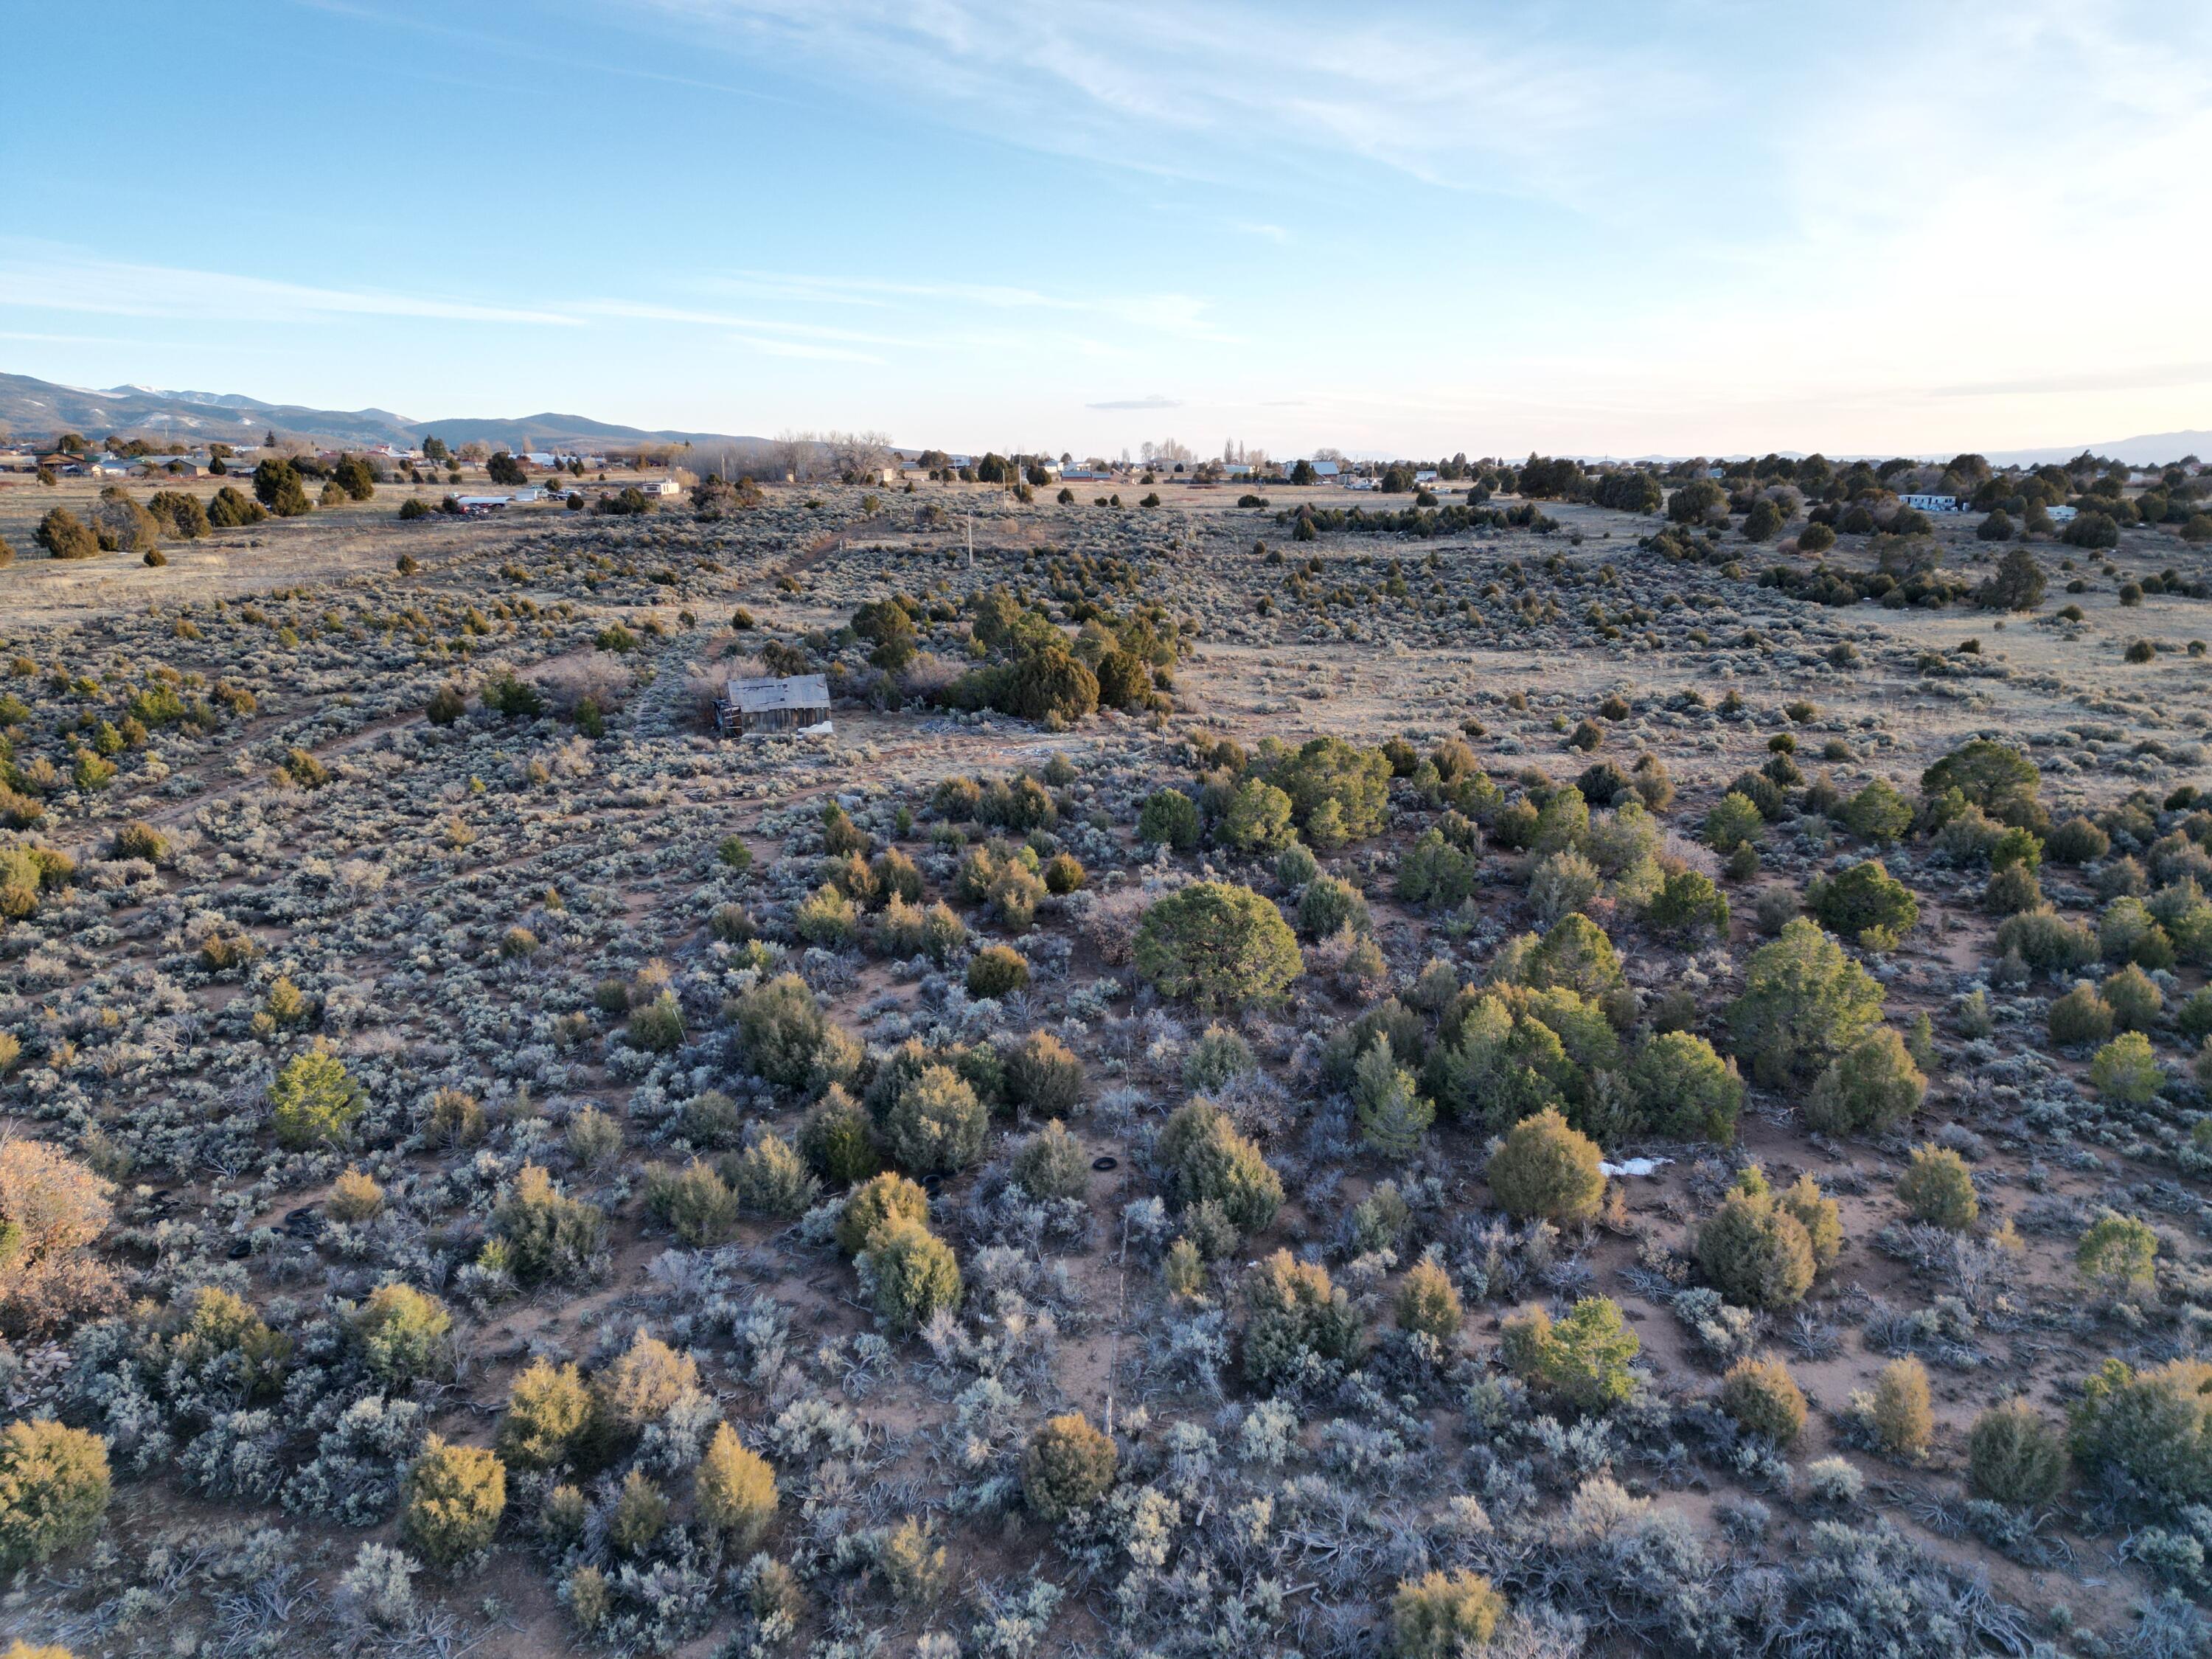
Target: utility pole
(971,541)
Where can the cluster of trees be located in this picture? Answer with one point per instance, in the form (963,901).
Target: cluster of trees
(1031,668)
(1908,571)
(849,456)
(716,497)
(1863,499)
(1808,1018)
(279,482)
(120,523)
(1541,1032)
(1306,522)
(1327,791)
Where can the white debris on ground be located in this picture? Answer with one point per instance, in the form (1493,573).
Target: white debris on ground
(1635,1166)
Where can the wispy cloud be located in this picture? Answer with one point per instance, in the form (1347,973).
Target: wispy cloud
(1253,228)
(1168,313)
(907,326)
(44,278)
(883,291)
(648,312)
(933,316)
(1450,100)
(555,55)
(30,337)
(1154,401)
(2116,379)
(801,349)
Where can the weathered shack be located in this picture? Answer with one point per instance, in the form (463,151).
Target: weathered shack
(796,703)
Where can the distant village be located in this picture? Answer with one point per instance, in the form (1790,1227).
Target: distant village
(532,475)
(485,479)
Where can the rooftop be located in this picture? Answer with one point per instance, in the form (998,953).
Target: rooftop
(798,691)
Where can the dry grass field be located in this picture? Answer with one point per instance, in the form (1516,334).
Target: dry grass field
(493,1168)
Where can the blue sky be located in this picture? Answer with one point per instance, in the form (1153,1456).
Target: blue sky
(1598,227)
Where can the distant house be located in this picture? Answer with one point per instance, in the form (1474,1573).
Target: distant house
(114,466)
(1427,474)
(796,705)
(1326,469)
(661,487)
(1935,503)
(532,493)
(542,458)
(2061,515)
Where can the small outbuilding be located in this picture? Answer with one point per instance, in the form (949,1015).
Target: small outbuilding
(796,705)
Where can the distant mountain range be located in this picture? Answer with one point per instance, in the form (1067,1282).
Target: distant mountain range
(40,409)
(2152,449)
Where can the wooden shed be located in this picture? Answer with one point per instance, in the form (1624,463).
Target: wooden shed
(797,703)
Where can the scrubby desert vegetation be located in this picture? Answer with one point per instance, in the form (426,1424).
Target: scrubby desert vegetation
(1612,1063)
